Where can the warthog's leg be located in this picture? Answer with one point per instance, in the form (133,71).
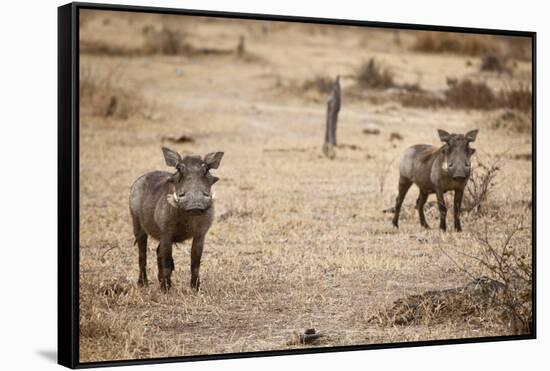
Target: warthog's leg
(442,210)
(456,208)
(196,253)
(165,263)
(141,240)
(404,185)
(420,202)
(142,247)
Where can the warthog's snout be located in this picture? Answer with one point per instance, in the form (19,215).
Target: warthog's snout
(194,201)
(459,172)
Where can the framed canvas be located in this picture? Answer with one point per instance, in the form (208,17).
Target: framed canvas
(373,183)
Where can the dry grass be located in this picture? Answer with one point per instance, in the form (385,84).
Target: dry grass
(374,76)
(470,94)
(446,42)
(494,63)
(510,121)
(516,97)
(166,41)
(319,83)
(299,241)
(101,94)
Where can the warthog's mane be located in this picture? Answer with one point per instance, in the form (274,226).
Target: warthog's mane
(431,152)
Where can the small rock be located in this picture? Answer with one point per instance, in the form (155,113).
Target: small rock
(419,238)
(371,129)
(396,136)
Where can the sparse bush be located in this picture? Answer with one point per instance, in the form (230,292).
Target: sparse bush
(494,63)
(470,94)
(478,298)
(517,97)
(320,83)
(446,42)
(166,41)
(372,75)
(501,293)
(421,100)
(511,121)
(510,263)
(100,96)
(519,47)
(479,186)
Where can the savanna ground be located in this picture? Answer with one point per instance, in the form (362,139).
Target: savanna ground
(299,240)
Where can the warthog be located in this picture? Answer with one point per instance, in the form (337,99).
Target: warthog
(436,170)
(174,207)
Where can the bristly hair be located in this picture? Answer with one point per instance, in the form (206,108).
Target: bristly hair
(430,152)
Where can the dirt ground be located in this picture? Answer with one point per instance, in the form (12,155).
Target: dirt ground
(299,240)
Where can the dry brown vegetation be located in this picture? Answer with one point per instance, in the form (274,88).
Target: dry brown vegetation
(481,183)
(446,42)
(372,75)
(319,83)
(472,45)
(100,94)
(299,241)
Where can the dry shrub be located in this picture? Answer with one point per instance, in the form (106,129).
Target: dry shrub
(99,95)
(476,299)
(518,97)
(446,42)
(470,94)
(421,100)
(494,63)
(373,75)
(478,95)
(519,48)
(502,293)
(166,41)
(100,47)
(511,121)
(479,186)
(320,83)
(511,264)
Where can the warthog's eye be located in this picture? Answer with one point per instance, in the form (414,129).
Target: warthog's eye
(450,164)
(206,194)
(182,194)
(467,164)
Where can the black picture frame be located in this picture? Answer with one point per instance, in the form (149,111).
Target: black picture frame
(68,181)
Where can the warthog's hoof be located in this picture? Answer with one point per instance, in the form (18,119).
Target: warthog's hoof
(195,284)
(165,285)
(142,282)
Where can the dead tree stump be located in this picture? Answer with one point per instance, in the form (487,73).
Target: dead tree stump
(333,107)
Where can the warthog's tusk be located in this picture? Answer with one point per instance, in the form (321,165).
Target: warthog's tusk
(444,166)
(172,199)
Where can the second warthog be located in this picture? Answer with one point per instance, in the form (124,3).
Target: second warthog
(174,207)
(437,170)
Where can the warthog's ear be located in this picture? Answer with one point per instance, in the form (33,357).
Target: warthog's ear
(172,158)
(212,160)
(471,135)
(443,135)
